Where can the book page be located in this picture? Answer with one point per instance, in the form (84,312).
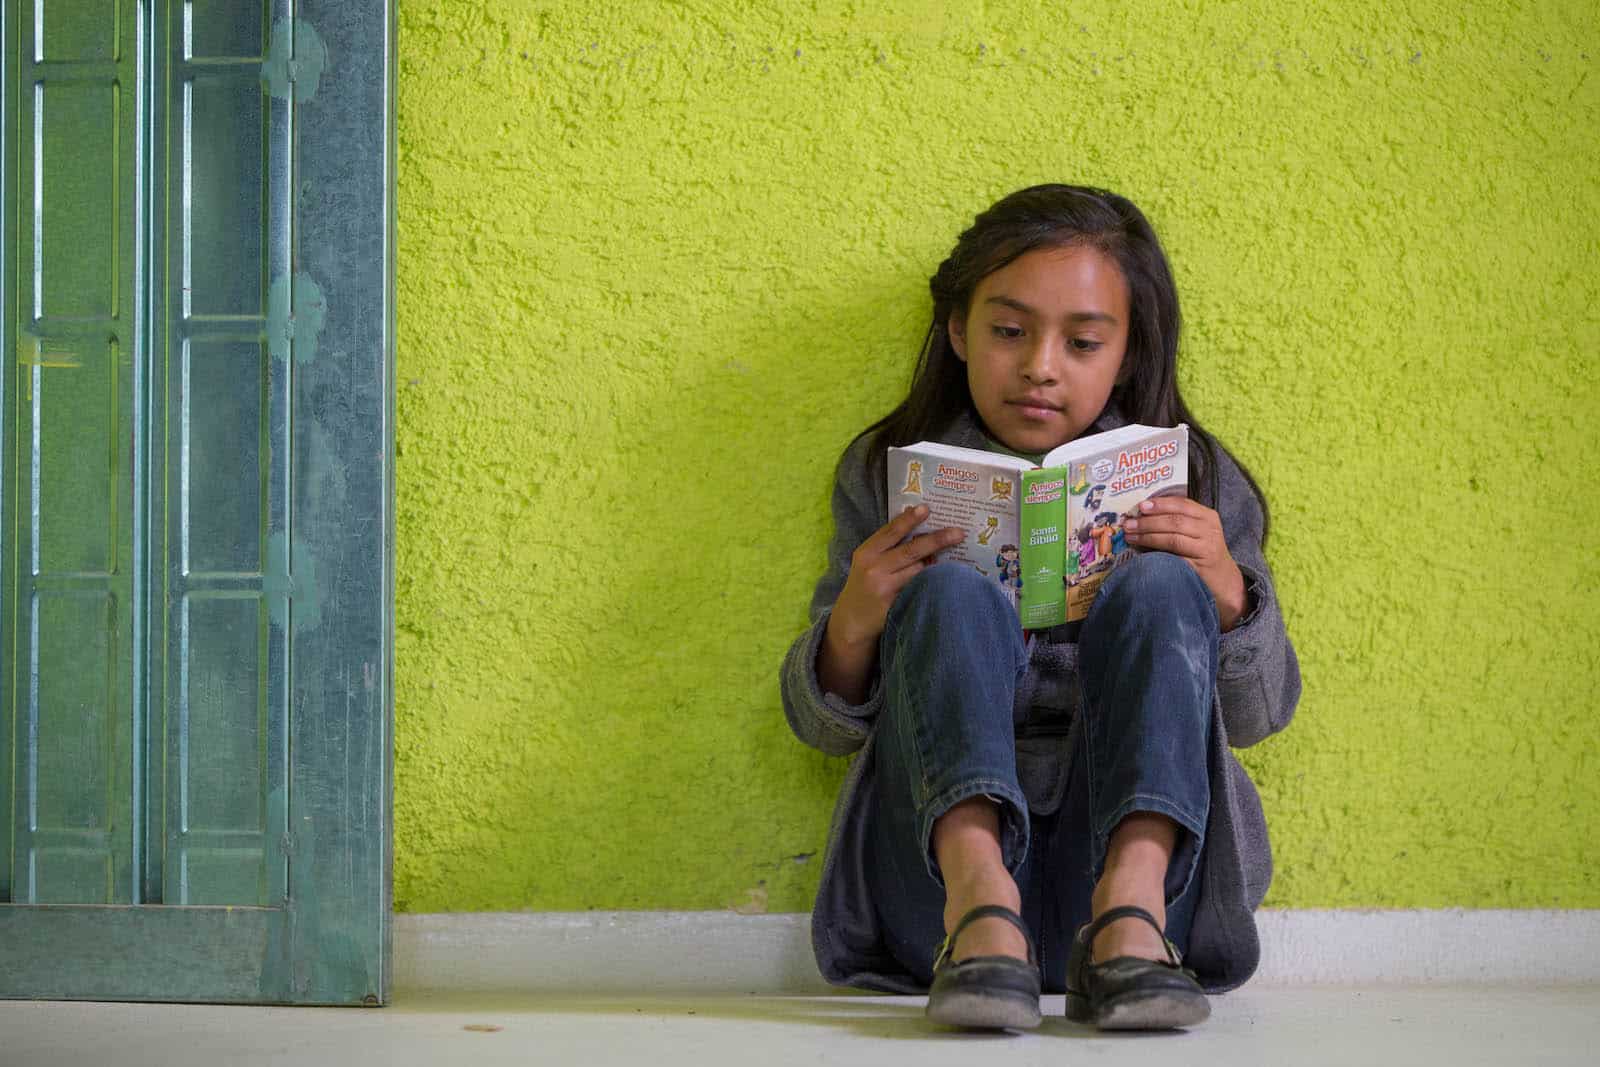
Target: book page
(1104,488)
(980,497)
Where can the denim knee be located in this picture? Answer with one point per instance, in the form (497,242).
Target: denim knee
(1153,584)
(953,654)
(952,590)
(1148,656)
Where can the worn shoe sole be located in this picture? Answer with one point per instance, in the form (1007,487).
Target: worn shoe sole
(1157,1009)
(984,1010)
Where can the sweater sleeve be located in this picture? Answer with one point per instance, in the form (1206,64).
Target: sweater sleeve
(1258,675)
(825,720)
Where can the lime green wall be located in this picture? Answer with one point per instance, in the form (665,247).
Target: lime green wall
(659,261)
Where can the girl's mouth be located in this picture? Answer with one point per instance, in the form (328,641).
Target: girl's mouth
(1032,408)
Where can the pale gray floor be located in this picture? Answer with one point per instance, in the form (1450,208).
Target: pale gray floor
(1458,1026)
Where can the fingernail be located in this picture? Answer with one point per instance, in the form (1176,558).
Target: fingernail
(1147,506)
(1130,524)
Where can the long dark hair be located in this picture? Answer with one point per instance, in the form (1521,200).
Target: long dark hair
(1054,216)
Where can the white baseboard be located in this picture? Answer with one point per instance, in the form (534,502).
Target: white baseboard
(652,952)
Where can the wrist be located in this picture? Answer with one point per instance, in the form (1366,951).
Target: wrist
(1231,606)
(845,668)
(844,636)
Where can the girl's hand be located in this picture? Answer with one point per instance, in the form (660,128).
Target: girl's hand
(879,569)
(1193,531)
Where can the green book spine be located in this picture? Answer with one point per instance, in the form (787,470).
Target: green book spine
(1042,544)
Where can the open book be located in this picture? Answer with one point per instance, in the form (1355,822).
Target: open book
(1048,534)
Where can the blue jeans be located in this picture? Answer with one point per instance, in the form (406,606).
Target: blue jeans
(953,659)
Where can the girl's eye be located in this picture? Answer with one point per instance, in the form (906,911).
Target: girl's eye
(1085,344)
(1009,333)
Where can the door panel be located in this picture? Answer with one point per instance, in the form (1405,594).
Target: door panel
(219,28)
(76,406)
(77,124)
(79,806)
(229,955)
(224,447)
(225,771)
(228,464)
(196,513)
(74,818)
(224,168)
(79,30)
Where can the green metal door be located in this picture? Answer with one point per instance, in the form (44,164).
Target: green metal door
(196,519)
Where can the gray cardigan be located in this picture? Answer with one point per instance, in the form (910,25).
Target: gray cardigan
(1258,684)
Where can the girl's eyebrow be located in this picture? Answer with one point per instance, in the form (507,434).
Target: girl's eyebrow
(1074,316)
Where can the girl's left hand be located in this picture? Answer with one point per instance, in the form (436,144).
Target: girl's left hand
(1189,529)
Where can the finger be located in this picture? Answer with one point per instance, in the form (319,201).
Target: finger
(923,546)
(892,582)
(1179,544)
(1202,526)
(895,530)
(1173,505)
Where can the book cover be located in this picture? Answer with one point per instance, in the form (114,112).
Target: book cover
(1106,482)
(1043,527)
(974,490)
(1047,534)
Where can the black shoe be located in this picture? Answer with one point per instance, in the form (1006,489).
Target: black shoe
(1129,993)
(986,992)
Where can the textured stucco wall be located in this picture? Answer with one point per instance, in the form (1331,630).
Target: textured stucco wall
(659,261)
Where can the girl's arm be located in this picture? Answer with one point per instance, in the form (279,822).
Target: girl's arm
(1258,674)
(821,719)
(879,568)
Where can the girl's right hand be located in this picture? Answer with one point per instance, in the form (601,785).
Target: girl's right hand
(879,569)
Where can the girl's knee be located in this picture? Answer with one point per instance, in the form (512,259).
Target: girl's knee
(954,588)
(1155,585)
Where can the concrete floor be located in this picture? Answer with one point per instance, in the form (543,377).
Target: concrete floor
(1460,1026)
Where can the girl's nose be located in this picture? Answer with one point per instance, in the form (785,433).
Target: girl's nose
(1040,364)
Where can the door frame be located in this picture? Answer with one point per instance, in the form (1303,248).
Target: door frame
(329,940)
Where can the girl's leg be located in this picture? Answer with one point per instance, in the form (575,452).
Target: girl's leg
(949,824)
(1148,659)
(1062,881)
(966,846)
(1138,857)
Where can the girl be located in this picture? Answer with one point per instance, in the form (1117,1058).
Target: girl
(1056,810)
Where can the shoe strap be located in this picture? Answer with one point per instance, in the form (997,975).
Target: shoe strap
(986,911)
(1127,911)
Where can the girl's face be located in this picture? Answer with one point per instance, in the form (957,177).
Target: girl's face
(1043,342)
